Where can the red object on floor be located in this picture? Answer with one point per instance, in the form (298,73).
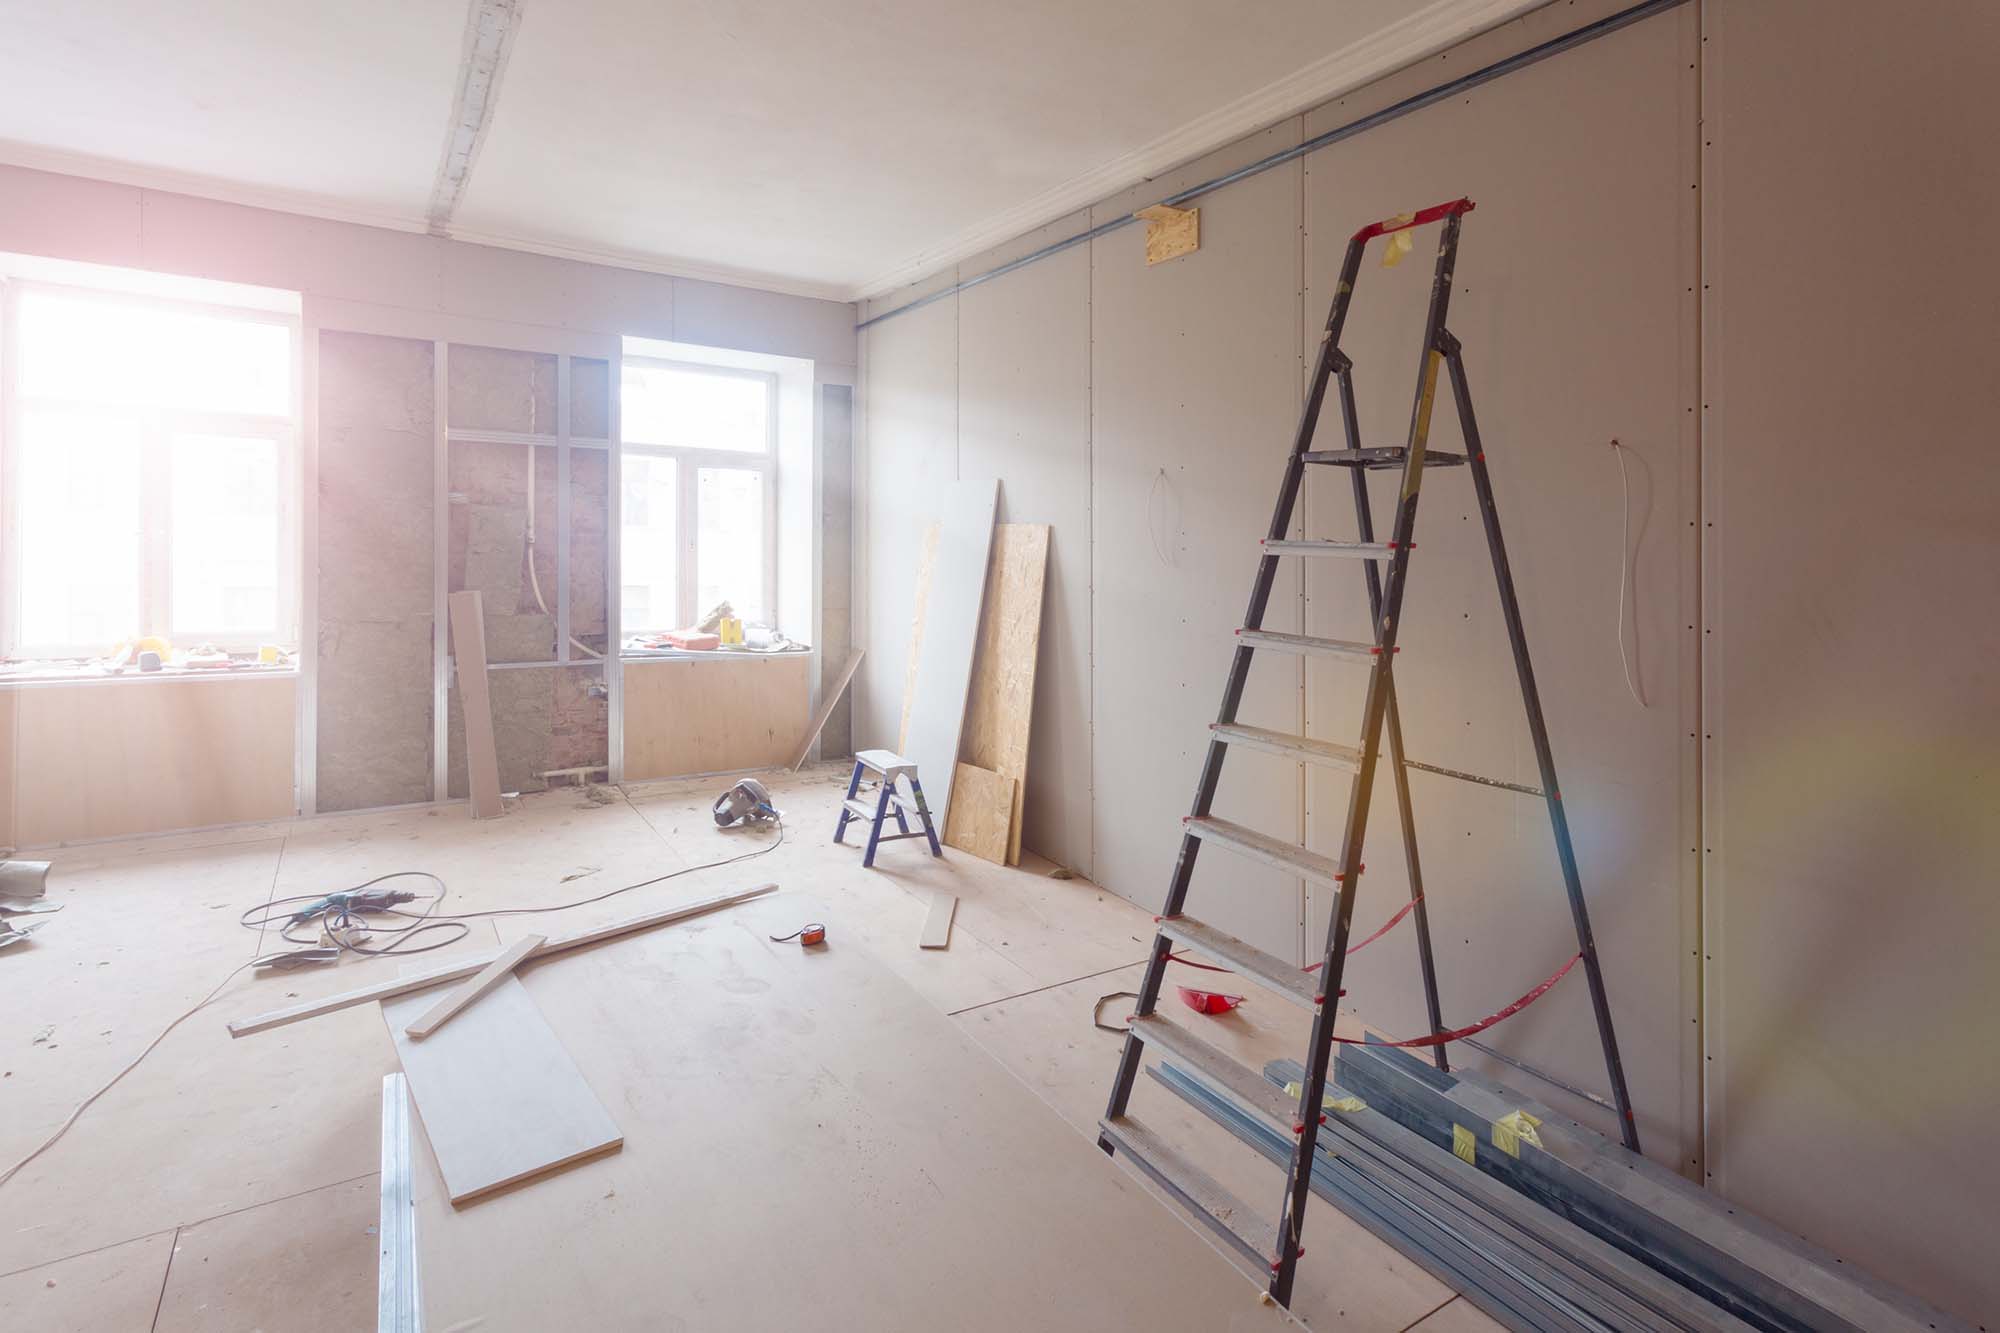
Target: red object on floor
(1208,1001)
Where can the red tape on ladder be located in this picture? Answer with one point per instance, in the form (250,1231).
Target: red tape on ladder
(1457,1034)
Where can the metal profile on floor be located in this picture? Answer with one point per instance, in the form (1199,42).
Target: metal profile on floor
(398,1300)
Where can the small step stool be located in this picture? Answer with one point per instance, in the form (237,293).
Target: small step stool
(891,803)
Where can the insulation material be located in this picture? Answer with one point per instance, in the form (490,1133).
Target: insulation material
(589,543)
(489,544)
(589,399)
(836,636)
(543,718)
(493,388)
(374,560)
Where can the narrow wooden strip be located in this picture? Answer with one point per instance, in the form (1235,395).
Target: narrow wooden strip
(440,1013)
(468,648)
(828,702)
(382,990)
(937,926)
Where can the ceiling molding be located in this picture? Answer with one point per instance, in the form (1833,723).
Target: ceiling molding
(112,171)
(1414,37)
(640,262)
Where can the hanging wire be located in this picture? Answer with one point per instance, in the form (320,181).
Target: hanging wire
(1625,577)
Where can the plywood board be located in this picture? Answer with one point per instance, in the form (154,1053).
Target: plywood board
(500,1099)
(999,708)
(1851,539)
(795,1102)
(830,700)
(468,646)
(109,759)
(937,922)
(982,812)
(950,635)
(714,715)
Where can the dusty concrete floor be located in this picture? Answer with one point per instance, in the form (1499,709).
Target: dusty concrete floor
(230,1185)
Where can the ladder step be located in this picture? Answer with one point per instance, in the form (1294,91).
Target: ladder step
(1207,1198)
(1263,847)
(1256,1092)
(1328,754)
(1379,458)
(1302,988)
(1357,550)
(1306,645)
(866,810)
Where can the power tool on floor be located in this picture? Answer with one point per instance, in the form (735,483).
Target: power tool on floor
(748,802)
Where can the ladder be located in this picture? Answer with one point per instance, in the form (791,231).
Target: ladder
(1386,565)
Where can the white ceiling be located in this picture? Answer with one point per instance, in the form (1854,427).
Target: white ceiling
(836,148)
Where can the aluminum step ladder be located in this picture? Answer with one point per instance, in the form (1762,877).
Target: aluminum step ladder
(1386,568)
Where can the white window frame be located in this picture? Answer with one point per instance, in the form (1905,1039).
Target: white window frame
(689,461)
(158,428)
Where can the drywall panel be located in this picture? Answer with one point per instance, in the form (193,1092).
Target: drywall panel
(1024,416)
(941,673)
(714,715)
(108,759)
(911,452)
(1852,700)
(1572,301)
(836,528)
(1195,391)
(375,551)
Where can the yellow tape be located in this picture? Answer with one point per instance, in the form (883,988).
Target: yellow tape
(1512,1130)
(1400,242)
(1463,1143)
(1328,1100)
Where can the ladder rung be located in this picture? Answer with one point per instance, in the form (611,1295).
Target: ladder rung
(1200,1193)
(1266,969)
(1306,645)
(1263,847)
(1379,458)
(1328,754)
(1246,1085)
(863,810)
(1357,550)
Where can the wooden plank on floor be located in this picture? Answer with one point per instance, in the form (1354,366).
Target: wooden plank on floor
(982,813)
(440,1013)
(1000,705)
(500,1099)
(937,926)
(468,648)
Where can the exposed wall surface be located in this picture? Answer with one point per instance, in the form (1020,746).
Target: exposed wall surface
(836,559)
(1853,505)
(374,557)
(1145,412)
(713,714)
(111,758)
(1787,847)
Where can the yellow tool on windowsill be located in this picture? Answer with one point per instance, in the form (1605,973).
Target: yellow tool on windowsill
(731,630)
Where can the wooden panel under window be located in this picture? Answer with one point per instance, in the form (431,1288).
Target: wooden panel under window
(713,715)
(107,760)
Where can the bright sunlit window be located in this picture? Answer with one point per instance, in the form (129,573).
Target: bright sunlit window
(149,454)
(695,504)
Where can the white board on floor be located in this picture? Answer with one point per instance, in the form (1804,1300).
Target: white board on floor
(950,633)
(500,1099)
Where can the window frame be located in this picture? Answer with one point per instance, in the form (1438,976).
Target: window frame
(158,428)
(689,460)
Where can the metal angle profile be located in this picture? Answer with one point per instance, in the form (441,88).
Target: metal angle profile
(398,1300)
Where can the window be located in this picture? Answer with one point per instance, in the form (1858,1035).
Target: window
(149,455)
(697,497)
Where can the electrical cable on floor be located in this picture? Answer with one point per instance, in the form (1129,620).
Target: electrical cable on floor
(84,1105)
(1625,576)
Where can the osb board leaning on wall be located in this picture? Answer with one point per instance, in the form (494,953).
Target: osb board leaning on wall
(713,715)
(105,760)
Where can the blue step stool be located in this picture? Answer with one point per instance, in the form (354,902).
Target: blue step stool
(891,804)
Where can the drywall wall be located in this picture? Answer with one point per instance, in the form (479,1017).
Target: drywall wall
(1145,412)
(374,544)
(109,758)
(836,526)
(1853,513)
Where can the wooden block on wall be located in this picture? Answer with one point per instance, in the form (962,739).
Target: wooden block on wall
(982,812)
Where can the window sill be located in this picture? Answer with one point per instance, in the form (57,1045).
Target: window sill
(80,673)
(711,654)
